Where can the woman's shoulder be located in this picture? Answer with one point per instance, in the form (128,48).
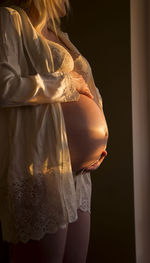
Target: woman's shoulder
(9,11)
(9,16)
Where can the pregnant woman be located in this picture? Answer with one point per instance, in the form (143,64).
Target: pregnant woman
(53,133)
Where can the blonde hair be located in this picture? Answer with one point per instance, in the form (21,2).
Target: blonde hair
(42,10)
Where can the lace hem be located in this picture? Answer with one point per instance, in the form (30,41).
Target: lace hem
(36,210)
(38,235)
(29,226)
(84,207)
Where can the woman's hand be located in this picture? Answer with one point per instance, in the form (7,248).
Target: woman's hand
(80,84)
(97,164)
(94,166)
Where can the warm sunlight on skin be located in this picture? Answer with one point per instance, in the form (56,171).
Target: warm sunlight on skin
(87,131)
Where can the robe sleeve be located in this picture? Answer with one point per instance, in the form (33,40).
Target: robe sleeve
(18,90)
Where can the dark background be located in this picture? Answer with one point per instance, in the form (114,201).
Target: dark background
(101,31)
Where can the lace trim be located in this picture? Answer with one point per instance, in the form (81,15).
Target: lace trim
(71,94)
(47,229)
(85,206)
(39,232)
(26,216)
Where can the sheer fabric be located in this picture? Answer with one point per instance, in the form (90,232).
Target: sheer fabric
(38,192)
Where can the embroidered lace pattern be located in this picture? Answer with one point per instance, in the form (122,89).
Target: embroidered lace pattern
(35,208)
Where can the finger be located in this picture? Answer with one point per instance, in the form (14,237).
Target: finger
(104,153)
(90,95)
(100,161)
(88,92)
(102,157)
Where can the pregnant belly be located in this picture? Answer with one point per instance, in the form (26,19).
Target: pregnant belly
(87,131)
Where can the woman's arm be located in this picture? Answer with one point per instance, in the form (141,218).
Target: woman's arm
(18,90)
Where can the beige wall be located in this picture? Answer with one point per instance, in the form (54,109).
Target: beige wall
(140,68)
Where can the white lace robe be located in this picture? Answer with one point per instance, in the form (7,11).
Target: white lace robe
(38,192)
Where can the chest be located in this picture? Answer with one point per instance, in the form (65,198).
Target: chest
(48,34)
